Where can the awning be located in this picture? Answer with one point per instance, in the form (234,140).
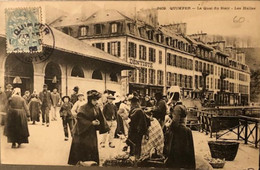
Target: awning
(66,43)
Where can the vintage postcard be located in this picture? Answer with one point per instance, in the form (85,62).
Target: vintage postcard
(151,84)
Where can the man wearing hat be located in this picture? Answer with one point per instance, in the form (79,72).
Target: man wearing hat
(160,108)
(46,101)
(110,113)
(74,96)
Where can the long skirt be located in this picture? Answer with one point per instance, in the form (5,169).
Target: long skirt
(84,147)
(16,128)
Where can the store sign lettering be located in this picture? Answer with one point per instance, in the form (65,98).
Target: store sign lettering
(141,63)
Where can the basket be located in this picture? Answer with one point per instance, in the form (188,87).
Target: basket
(223,149)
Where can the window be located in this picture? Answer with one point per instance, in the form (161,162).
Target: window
(207,83)
(113,48)
(160,57)
(142,32)
(190,81)
(184,63)
(174,60)
(169,74)
(150,34)
(98,28)
(211,69)
(200,81)
(198,52)
(200,66)
(152,56)
(159,38)
(196,65)
(160,77)
(131,28)
(186,81)
(77,72)
(100,46)
(169,41)
(196,82)
(132,76)
(114,28)
(113,77)
(83,31)
(142,52)
(97,75)
(169,59)
(143,75)
(190,64)
(179,80)
(151,76)
(132,49)
(175,79)
(179,61)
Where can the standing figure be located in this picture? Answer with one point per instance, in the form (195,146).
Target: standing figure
(138,127)
(160,108)
(84,145)
(74,96)
(123,111)
(27,96)
(35,108)
(179,146)
(16,128)
(110,113)
(55,96)
(3,106)
(78,104)
(8,91)
(45,98)
(66,115)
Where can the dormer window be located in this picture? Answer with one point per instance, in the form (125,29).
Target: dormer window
(169,41)
(131,28)
(66,30)
(114,27)
(159,38)
(150,34)
(83,30)
(142,32)
(98,28)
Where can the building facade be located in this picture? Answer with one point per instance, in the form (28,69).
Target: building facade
(165,56)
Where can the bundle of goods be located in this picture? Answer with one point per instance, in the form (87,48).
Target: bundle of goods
(152,160)
(120,160)
(217,163)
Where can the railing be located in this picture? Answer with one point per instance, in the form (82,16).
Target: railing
(244,127)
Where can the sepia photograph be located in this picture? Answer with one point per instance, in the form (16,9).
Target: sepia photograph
(130,84)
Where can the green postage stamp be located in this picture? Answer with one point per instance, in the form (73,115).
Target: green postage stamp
(23,30)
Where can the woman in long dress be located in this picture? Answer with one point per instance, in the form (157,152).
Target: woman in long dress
(84,145)
(16,128)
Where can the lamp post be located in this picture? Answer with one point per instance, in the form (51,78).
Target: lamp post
(204,76)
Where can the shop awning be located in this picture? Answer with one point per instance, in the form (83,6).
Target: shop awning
(63,42)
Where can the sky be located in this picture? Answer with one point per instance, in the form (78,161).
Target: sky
(221,22)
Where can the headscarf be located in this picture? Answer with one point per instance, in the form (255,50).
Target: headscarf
(16,91)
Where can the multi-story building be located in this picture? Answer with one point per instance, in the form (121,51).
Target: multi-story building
(164,56)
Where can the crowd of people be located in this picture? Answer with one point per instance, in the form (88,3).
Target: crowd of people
(147,123)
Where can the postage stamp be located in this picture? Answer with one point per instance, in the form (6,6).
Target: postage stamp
(23,30)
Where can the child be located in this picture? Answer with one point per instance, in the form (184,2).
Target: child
(35,109)
(66,115)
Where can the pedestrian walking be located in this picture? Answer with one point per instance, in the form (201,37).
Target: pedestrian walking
(110,113)
(55,96)
(3,106)
(74,96)
(35,108)
(84,146)
(66,115)
(16,128)
(45,98)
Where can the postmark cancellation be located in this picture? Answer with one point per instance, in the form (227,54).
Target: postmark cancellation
(23,30)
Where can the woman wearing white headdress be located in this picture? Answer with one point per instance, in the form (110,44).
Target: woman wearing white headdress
(16,128)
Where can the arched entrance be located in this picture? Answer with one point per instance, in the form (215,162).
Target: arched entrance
(53,76)
(19,74)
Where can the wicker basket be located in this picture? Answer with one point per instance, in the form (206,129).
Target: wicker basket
(223,149)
